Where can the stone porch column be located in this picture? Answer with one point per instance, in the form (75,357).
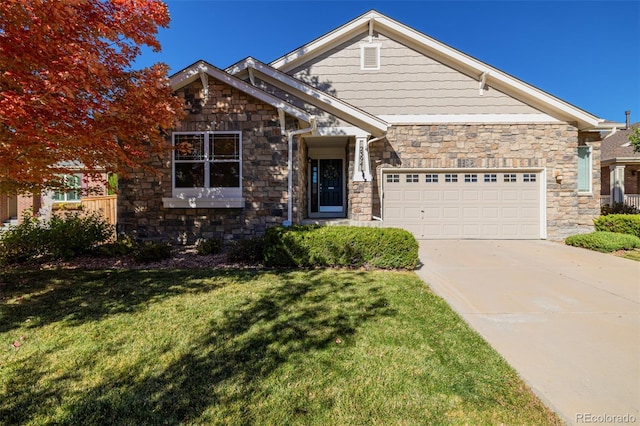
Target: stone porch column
(617,183)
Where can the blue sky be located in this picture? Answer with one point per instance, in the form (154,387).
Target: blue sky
(584,52)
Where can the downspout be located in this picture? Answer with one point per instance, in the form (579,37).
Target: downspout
(369,142)
(290,136)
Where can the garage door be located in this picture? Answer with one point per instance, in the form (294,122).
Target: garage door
(452,204)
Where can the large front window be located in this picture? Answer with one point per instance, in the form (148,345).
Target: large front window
(207,165)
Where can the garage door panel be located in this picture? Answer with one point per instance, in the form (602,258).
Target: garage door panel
(493,205)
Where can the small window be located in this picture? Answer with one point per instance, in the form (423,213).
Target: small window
(413,178)
(584,169)
(430,178)
(490,177)
(471,178)
(393,178)
(370,57)
(72,192)
(529,177)
(450,177)
(510,177)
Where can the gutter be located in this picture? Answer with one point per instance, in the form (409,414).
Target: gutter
(290,136)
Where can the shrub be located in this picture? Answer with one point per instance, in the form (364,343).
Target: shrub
(122,246)
(23,242)
(209,246)
(60,238)
(618,208)
(247,251)
(620,223)
(152,251)
(70,236)
(604,241)
(340,246)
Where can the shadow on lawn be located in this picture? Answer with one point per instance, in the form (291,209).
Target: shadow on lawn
(223,371)
(77,296)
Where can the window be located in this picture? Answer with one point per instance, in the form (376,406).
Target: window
(450,177)
(490,177)
(510,177)
(370,56)
(584,169)
(207,165)
(413,178)
(529,177)
(430,178)
(471,178)
(73,183)
(393,178)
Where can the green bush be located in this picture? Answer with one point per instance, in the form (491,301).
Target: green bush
(246,251)
(152,251)
(604,241)
(23,242)
(620,223)
(122,246)
(209,246)
(618,208)
(387,248)
(74,234)
(60,238)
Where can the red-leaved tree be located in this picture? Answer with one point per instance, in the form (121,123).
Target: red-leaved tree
(69,94)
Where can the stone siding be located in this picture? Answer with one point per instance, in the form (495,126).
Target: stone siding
(552,147)
(264,174)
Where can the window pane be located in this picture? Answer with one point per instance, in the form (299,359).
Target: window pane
(189,175)
(225,147)
(189,147)
(583,168)
(224,175)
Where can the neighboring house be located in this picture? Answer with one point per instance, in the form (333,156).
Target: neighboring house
(620,168)
(14,206)
(375,123)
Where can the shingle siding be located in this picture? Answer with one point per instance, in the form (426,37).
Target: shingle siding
(407,83)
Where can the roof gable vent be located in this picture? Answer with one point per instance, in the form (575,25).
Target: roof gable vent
(370,56)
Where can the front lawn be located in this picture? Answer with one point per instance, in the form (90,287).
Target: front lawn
(241,347)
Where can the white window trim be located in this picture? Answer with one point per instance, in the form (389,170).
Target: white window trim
(361,165)
(363,47)
(71,188)
(589,171)
(213,197)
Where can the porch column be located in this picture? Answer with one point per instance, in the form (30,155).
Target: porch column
(617,183)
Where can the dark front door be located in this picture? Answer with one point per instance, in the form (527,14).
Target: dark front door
(330,189)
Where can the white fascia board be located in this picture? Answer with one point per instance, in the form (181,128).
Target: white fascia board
(469,118)
(192,73)
(321,100)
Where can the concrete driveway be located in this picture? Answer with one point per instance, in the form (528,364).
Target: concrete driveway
(567,319)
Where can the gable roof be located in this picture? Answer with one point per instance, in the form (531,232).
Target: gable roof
(617,146)
(201,68)
(375,21)
(311,95)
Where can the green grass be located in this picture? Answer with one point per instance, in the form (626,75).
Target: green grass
(240,347)
(630,254)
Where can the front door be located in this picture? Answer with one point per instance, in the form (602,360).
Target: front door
(327,187)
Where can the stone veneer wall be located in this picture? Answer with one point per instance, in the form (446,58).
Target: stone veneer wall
(264,168)
(549,146)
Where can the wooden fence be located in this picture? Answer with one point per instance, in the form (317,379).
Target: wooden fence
(106,206)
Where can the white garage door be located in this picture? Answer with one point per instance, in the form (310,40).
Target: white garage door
(457,204)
